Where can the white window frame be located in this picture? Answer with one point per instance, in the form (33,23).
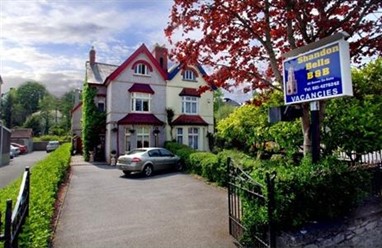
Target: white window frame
(141,69)
(193,137)
(179,135)
(190,105)
(142,98)
(143,135)
(189,75)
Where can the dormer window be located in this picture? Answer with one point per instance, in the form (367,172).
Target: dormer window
(141,69)
(189,75)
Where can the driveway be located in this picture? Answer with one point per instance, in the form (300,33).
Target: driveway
(105,209)
(16,166)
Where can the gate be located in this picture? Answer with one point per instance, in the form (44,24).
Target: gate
(14,220)
(243,191)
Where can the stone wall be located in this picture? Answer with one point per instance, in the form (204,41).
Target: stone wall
(363,228)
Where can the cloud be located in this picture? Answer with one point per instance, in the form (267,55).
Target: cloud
(49,41)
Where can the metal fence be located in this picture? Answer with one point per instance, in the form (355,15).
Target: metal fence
(14,220)
(241,189)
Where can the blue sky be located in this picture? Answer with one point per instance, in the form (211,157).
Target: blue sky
(48,41)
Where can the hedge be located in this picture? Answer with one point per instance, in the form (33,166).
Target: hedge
(304,192)
(46,178)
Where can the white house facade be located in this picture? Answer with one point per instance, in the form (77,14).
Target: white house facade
(136,96)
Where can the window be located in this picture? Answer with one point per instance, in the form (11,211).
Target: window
(143,137)
(141,69)
(189,105)
(101,106)
(140,102)
(154,153)
(179,135)
(127,140)
(193,137)
(189,75)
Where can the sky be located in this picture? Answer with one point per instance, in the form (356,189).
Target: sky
(48,41)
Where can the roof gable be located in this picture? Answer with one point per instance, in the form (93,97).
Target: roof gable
(142,49)
(174,71)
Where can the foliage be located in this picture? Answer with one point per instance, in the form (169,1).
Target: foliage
(303,192)
(243,41)
(93,121)
(247,128)
(46,177)
(32,106)
(354,124)
(61,139)
(243,34)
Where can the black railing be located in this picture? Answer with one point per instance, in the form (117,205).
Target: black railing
(242,189)
(14,220)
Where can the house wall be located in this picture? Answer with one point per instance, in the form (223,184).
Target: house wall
(119,105)
(174,101)
(76,121)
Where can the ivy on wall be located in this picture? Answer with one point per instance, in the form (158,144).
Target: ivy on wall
(93,121)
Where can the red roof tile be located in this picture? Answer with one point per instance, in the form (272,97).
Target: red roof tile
(189,92)
(192,120)
(143,119)
(143,88)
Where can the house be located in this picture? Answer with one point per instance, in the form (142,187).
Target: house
(137,96)
(23,136)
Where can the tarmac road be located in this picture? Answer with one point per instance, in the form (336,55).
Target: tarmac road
(105,209)
(17,165)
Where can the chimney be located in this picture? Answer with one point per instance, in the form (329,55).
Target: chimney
(160,54)
(92,56)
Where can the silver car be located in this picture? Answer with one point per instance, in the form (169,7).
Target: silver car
(147,160)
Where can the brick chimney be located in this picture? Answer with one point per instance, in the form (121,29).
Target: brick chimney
(160,54)
(92,56)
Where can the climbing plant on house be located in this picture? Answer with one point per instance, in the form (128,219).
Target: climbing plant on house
(93,121)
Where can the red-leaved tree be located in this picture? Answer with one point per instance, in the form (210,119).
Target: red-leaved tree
(243,40)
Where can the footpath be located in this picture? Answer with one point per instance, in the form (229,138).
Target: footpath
(104,208)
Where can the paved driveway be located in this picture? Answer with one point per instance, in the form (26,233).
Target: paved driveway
(105,209)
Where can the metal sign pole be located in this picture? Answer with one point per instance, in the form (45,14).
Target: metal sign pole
(315,130)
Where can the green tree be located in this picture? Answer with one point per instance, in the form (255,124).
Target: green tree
(354,123)
(28,97)
(34,122)
(66,105)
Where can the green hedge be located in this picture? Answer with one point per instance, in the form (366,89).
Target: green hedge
(303,192)
(46,177)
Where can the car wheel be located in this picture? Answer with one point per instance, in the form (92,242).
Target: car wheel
(148,170)
(127,173)
(179,166)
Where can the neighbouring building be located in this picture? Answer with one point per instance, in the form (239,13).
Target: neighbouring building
(137,97)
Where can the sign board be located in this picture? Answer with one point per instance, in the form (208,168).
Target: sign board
(318,74)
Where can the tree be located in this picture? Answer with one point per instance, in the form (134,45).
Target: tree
(354,123)
(28,97)
(243,40)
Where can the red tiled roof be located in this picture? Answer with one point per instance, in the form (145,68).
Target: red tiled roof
(189,92)
(144,88)
(192,120)
(143,119)
(22,133)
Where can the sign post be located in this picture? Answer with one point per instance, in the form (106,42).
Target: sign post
(317,71)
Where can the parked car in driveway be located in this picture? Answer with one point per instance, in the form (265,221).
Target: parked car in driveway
(23,149)
(14,151)
(147,160)
(52,145)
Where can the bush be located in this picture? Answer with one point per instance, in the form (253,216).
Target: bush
(46,177)
(61,139)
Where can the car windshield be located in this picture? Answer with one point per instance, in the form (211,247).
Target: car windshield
(136,151)
(53,142)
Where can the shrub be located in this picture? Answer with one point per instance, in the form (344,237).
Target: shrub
(46,177)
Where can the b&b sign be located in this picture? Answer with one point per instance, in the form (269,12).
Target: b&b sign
(321,73)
